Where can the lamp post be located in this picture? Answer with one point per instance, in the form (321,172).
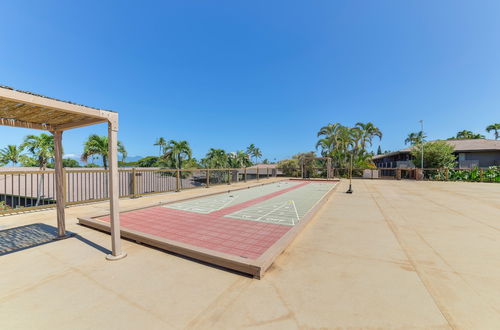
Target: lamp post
(422,158)
(349,191)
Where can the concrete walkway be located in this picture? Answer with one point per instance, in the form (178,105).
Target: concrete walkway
(395,254)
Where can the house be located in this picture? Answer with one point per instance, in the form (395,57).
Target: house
(470,153)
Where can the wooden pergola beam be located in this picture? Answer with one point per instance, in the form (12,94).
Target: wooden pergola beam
(78,124)
(48,103)
(25,124)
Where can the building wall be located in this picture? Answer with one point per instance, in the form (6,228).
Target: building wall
(487,158)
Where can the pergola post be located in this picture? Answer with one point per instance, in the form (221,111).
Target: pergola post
(117,252)
(59,176)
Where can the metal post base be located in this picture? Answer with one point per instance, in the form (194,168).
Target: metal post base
(349,191)
(67,235)
(111,257)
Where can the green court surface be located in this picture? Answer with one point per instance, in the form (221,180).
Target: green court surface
(217,202)
(286,209)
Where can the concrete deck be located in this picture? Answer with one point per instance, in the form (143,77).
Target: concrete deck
(395,254)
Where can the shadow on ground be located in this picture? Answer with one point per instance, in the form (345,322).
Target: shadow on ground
(29,236)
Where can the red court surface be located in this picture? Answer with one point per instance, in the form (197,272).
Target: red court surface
(242,238)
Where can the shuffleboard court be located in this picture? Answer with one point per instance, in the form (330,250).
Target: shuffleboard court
(217,202)
(242,229)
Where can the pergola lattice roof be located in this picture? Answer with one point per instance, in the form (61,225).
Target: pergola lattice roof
(28,110)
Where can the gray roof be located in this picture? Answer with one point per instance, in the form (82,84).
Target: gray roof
(466,145)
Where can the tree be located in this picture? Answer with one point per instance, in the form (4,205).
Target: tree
(98,146)
(161,143)
(190,163)
(175,151)
(466,135)
(68,162)
(368,131)
(379,150)
(495,128)
(289,167)
(11,154)
(254,152)
(216,158)
(27,161)
(437,154)
(341,142)
(239,159)
(149,161)
(41,148)
(415,138)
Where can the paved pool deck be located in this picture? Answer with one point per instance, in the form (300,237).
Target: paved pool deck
(395,254)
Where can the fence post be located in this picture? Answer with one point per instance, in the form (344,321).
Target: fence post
(134,183)
(245,175)
(447,173)
(481,175)
(208,178)
(178,181)
(268,172)
(228,176)
(257,173)
(372,173)
(65,186)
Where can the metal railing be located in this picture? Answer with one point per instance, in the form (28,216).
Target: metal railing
(29,190)
(491,174)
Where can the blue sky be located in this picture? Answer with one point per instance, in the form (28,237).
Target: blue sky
(229,73)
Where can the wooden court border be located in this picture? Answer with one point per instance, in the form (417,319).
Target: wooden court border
(255,267)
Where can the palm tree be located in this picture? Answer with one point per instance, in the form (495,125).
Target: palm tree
(216,158)
(10,154)
(251,149)
(239,159)
(161,142)
(98,146)
(40,147)
(495,128)
(175,151)
(368,132)
(415,138)
(340,142)
(466,135)
(256,154)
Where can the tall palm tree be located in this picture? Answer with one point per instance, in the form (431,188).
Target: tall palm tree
(257,154)
(97,145)
(415,138)
(11,154)
(251,149)
(368,132)
(175,151)
(41,148)
(161,143)
(495,128)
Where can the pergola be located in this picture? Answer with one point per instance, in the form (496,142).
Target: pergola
(27,110)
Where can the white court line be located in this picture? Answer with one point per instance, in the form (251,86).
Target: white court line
(226,203)
(276,209)
(296,213)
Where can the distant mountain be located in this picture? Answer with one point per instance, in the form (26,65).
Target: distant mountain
(98,160)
